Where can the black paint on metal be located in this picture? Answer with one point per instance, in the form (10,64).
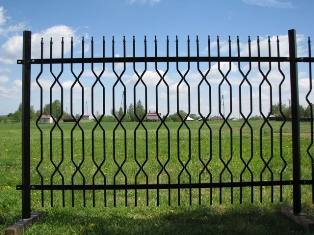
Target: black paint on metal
(295,122)
(26,97)
(183,183)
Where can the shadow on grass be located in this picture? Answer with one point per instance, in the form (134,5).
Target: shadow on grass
(239,219)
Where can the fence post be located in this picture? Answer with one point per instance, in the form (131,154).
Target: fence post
(295,122)
(26,95)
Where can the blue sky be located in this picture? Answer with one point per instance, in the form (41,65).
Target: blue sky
(139,18)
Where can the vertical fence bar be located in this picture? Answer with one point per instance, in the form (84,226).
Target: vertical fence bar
(295,122)
(26,94)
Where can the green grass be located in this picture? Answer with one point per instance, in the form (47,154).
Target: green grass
(206,152)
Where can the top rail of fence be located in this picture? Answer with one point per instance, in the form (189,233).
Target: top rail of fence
(165,59)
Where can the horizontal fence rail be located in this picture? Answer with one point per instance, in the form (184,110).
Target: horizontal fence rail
(138,145)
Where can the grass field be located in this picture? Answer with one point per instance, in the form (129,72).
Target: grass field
(187,154)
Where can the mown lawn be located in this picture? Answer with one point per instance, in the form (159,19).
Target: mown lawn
(192,153)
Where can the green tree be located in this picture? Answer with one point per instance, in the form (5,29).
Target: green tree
(126,117)
(195,116)
(120,113)
(255,117)
(17,115)
(10,115)
(285,111)
(108,118)
(182,114)
(113,112)
(54,109)
(307,112)
(140,112)
(32,112)
(130,112)
(279,111)
(37,114)
(173,117)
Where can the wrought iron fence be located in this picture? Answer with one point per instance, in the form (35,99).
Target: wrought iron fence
(117,156)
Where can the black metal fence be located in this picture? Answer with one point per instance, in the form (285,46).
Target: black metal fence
(212,139)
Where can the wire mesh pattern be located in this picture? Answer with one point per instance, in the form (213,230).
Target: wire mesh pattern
(120,156)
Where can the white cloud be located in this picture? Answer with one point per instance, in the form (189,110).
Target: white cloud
(17,83)
(67,85)
(224,67)
(11,28)
(263,46)
(11,50)
(5,70)
(2,17)
(269,3)
(304,88)
(44,84)
(56,33)
(3,79)
(14,92)
(150,78)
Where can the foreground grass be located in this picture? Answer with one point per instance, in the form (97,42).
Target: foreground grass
(245,219)
(219,218)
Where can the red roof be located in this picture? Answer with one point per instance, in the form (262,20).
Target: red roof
(151,114)
(45,116)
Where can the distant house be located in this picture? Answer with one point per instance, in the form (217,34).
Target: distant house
(46,119)
(86,117)
(216,118)
(189,119)
(153,117)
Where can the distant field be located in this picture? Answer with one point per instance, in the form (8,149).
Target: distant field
(153,153)
(175,152)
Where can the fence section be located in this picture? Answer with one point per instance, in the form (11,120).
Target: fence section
(195,127)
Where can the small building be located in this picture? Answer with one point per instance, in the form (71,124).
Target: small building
(189,119)
(216,118)
(86,117)
(46,119)
(152,117)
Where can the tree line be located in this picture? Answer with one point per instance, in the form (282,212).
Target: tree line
(281,111)
(138,112)
(131,114)
(54,109)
